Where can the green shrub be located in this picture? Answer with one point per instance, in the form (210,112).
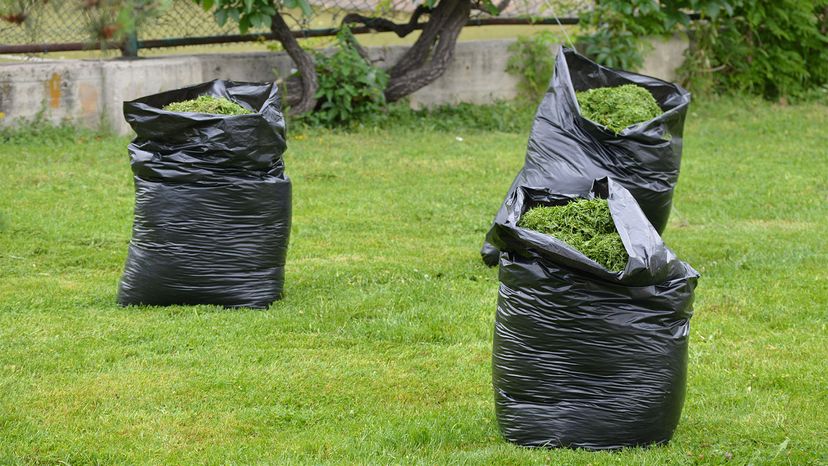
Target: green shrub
(615,49)
(351,90)
(773,49)
(532,61)
(208,104)
(584,224)
(618,107)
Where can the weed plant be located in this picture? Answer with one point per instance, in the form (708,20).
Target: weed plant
(531,61)
(351,90)
(208,104)
(618,107)
(586,225)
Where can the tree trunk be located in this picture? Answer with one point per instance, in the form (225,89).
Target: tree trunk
(430,55)
(422,63)
(301,97)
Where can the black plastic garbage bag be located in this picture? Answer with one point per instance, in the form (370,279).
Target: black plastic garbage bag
(212,201)
(585,357)
(566,151)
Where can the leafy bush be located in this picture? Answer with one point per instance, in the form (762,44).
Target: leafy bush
(208,104)
(532,60)
(618,107)
(350,89)
(614,29)
(772,49)
(614,40)
(250,14)
(584,224)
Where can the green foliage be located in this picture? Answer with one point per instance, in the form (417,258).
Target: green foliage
(614,48)
(115,20)
(618,107)
(460,119)
(39,131)
(17,11)
(351,90)
(584,224)
(532,60)
(773,49)
(614,28)
(107,22)
(208,104)
(251,13)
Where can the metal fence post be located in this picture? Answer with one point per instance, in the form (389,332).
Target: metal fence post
(130,47)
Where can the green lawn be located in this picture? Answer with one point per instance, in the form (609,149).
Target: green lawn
(380,352)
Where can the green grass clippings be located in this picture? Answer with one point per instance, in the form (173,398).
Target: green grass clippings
(208,104)
(586,225)
(618,107)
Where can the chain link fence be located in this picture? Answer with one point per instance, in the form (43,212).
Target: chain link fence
(65,25)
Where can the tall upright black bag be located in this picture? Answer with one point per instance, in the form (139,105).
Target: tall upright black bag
(212,201)
(583,356)
(567,151)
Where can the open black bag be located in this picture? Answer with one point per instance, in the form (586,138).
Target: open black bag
(583,356)
(212,201)
(567,151)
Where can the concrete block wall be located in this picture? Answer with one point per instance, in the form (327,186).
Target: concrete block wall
(65,90)
(91,92)
(665,56)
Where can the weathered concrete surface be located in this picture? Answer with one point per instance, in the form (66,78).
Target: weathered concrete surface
(127,80)
(91,92)
(476,75)
(665,56)
(60,90)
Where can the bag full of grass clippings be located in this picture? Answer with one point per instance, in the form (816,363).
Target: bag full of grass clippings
(587,356)
(212,201)
(611,132)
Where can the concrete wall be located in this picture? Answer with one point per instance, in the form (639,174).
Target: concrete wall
(91,92)
(664,56)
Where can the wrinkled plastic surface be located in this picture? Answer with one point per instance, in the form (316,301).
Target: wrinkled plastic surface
(212,201)
(567,151)
(586,357)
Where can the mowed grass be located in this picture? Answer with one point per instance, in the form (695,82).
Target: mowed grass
(380,352)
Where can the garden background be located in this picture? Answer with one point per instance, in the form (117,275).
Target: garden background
(380,351)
